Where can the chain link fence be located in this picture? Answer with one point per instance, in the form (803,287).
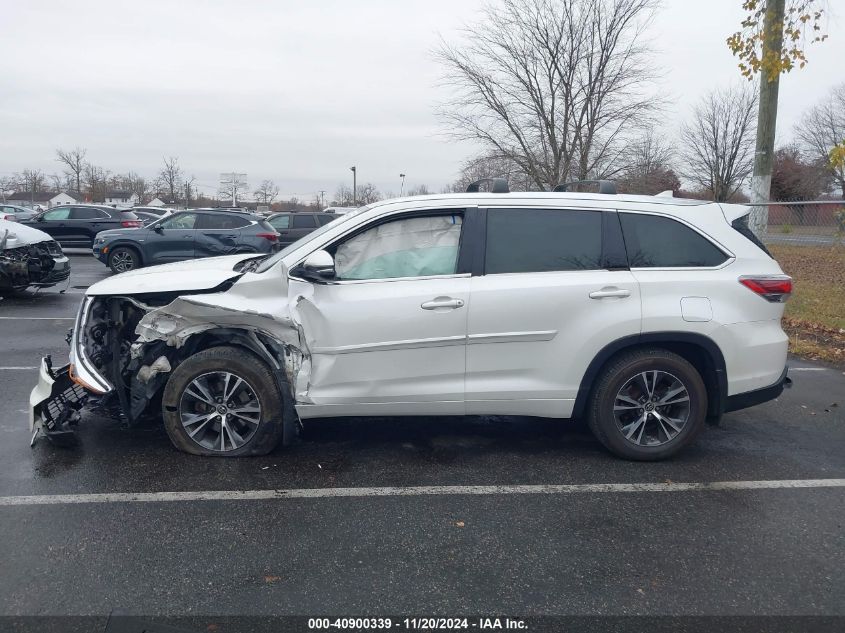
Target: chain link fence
(810,223)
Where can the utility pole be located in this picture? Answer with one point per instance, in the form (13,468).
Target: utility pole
(187,194)
(767,115)
(233,182)
(402,186)
(354,171)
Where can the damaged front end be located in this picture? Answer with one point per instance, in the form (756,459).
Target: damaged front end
(40,265)
(125,347)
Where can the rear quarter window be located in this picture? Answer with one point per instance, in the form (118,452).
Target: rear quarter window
(658,242)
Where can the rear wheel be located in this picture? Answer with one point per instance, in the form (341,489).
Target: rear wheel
(123,259)
(225,402)
(647,405)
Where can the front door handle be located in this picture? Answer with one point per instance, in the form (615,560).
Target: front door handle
(609,292)
(443,303)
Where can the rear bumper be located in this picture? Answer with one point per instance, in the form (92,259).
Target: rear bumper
(758,396)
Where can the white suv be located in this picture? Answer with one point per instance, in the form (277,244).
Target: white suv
(645,315)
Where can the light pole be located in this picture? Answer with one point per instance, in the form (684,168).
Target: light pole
(354,171)
(402,186)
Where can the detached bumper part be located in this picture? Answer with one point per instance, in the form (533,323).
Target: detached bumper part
(54,404)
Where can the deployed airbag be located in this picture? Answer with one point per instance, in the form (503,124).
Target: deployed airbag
(406,248)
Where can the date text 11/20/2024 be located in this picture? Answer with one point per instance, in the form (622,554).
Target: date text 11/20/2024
(417,624)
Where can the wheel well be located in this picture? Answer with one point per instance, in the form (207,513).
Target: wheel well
(700,351)
(130,247)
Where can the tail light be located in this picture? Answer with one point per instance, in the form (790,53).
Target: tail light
(273,237)
(774,288)
(6,216)
(130,224)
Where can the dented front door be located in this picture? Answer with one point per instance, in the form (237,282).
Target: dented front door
(375,344)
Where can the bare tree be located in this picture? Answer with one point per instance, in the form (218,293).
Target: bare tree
(56,182)
(554,86)
(492,166)
(796,179)
(74,160)
(31,181)
(419,190)
(343,197)
(822,128)
(718,144)
(95,180)
(169,179)
(367,194)
(267,192)
(649,170)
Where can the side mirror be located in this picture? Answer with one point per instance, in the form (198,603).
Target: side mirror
(158,228)
(318,266)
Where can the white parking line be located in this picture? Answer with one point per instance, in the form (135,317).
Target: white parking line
(1,368)
(411,491)
(31,318)
(791,369)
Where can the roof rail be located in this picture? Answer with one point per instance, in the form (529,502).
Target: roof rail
(497,185)
(605,186)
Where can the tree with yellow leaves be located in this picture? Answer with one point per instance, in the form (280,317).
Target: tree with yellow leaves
(772,41)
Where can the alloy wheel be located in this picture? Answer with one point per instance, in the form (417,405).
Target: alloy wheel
(652,408)
(220,411)
(122,261)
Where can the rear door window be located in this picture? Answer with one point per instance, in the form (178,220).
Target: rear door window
(280,221)
(208,221)
(658,242)
(87,213)
(542,240)
(304,221)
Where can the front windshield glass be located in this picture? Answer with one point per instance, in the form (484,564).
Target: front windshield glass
(271,261)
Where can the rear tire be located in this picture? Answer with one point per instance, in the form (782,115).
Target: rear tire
(246,409)
(123,259)
(626,411)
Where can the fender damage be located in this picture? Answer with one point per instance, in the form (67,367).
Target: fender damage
(124,347)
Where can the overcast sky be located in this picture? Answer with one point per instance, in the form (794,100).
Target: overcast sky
(293,91)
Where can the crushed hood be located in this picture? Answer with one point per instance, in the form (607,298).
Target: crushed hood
(197,274)
(15,234)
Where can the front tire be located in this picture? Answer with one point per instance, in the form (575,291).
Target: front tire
(647,405)
(123,259)
(225,402)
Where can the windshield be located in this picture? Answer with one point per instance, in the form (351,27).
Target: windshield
(271,261)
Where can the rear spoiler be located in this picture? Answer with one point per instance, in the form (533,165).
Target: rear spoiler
(733,212)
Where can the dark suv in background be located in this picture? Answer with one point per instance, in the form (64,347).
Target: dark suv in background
(185,235)
(292,226)
(78,224)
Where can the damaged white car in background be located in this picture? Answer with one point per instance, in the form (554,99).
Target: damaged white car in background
(29,258)
(477,303)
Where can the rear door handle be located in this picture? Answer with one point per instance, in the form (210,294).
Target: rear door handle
(441,303)
(610,292)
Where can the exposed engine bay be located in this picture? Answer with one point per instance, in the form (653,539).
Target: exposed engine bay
(25,262)
(124,348)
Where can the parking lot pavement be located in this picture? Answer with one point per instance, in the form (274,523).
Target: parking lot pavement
(589,550)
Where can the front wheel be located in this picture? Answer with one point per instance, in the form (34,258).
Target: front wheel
(647,405)
(123,259)
(224,402)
